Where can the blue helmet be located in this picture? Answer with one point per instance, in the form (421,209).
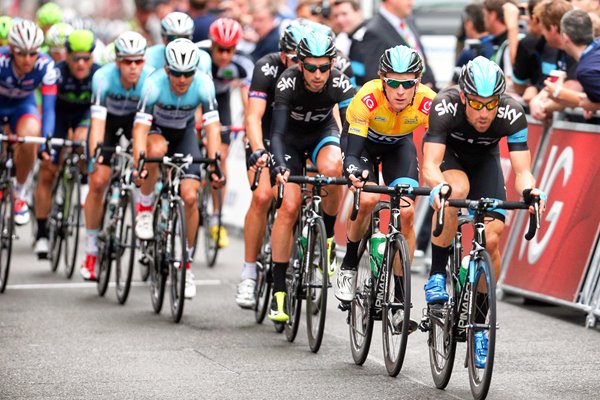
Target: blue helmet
(315,44)
(290,36)
(401,59)
(482,77)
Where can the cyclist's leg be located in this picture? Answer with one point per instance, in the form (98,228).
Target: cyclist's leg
(224,107)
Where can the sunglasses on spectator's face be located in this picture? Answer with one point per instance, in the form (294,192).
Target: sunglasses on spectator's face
(292,57)
(129,61)
(25,53)
(81,58)
(478,105)
(313,68)
(225,49)
(396,83)
(177,74)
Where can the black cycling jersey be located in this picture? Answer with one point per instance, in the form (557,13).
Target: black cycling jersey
(448,125)
(74,95)
(299,110)
(343,64)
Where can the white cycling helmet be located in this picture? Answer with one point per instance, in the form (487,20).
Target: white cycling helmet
(26,35)
(182,55)
(130,44)
(177,24)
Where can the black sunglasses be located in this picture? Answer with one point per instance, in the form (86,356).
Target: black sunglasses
(177,74)
(25,53)
(81,58)
(313,68)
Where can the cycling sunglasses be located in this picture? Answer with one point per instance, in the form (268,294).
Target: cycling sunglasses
(313,68)
(396,83)
(129,61)
(81,58)
(478,105)
(225,49)
(177,74)
(25,53)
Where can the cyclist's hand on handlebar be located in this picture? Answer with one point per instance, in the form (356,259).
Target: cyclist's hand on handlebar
(436,194)
(535,194)
(282,175)
(358,181)
(258,159)
(217,179)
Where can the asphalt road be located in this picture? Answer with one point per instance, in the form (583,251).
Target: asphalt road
(58,339)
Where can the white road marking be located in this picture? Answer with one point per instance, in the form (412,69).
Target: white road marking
(83,285)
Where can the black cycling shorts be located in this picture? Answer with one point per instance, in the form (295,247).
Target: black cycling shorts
(116,126)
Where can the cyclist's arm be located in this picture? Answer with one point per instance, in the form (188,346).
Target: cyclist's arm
(433,155)
(210,116)
(213,137)
(521,165)
(139,134)
(49,90)
(253,122)
(244,89)
(279,126)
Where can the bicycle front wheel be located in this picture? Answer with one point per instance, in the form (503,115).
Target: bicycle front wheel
(105,244)
(7,228)
(483,323)
(55,223)
(71,220)
(211,214)
(263,290)
(317,283)
(158,269)
(396,306)
(177,258)
(125,242)
(293,280)
(361,316)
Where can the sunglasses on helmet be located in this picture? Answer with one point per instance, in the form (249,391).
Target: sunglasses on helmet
(177,74)
(478,105)
(313,68)
(396,83)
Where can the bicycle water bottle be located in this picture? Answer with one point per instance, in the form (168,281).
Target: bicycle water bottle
(377,250)
(462,273)
(303,241)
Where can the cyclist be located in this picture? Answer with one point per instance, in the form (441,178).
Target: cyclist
(303,121)
(381,119)
(22,70)
(165,124)
(116,90)
(73,101)
(175,25)
(55,40)
(6,23)
(258,126)
(461,150)
(229,68)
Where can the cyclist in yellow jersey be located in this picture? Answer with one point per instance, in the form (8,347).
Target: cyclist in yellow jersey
(380,122)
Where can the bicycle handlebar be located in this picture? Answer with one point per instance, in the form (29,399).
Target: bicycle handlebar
(399,190)
(318,180)
(57,142)
(256,179)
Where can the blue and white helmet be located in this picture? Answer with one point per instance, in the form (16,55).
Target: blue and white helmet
(401,59)
(315,44)
(130,44)
(182,55)
(25,35)
(482,77)
(177,24)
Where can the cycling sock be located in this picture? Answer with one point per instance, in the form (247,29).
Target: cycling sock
(350,260)
(249,271)
(399,288)
(42,231)
(92,241)
(145,200)
(20,189)
(439,258)
(190,252)
(482,308)
(279,271)
(329,221)
(214,219)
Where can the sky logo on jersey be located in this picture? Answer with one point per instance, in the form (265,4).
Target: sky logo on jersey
(309,116)
(369,101)
(286,83)
(425,105)
(445,108)
(340,82)
(267,69)
(509,113)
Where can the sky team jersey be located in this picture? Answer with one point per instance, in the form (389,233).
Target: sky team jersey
(448,124)
(174,112)
(155,57)
(369,116)
(17,88)
(108,91)
(240,68)
(74,95)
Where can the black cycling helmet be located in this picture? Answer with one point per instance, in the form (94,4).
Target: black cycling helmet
(290,36)
(401,59)
(482,77)
(315,44)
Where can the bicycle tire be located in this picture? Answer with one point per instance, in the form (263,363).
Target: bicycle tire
(293,280)
(55,221)
(71,221)
(125,242)
(317,283)
(211,245)
(361,312)
(157,269)
(480,383)
(177,259)
(262,291)
(394,341)
(105,245)
(441,340)
(7,229)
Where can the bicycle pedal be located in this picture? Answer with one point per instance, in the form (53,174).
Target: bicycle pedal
(343,306)
(425,325)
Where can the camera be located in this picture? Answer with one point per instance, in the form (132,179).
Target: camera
(473,44)
(324,9)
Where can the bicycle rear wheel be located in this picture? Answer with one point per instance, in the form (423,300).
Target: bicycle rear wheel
(263,290)
(125,242)
(293,280)
(211,212)
(177,259)
(483,321)
(317,282)
(71,220)
(361,316)
(105,244)
(158,269)
(396,311)
(441,340)
(7,228)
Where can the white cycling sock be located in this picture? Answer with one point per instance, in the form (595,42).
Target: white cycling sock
(92,241)
(145,200)
(20,189)
(249,271)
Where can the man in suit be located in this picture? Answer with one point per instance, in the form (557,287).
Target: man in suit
(390,27)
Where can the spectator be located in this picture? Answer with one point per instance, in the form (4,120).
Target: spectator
(347,19)
(202,19)
(390,27)
(495,25)
(263,22)
(308,9)
(147,16)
